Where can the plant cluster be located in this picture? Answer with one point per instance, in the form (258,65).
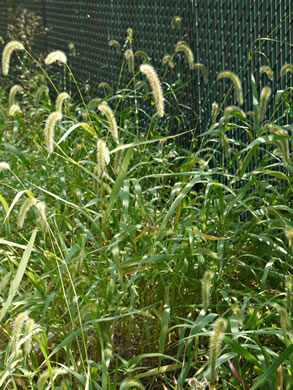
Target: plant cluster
(130,262)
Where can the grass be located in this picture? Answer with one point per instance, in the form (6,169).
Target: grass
(112,272)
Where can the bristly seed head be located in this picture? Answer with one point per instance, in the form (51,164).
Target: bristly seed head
(129,56)
(60,99)
(56,56)
(13,91)
(50,128)
(7,51)
(268,71)
(286,68)
(106,110)
(264,97)
(216,339)
(182,46)
(206,288)
(4,166)
(236,82)
(155,84)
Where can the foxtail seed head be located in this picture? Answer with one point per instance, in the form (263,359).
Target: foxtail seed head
(231,110)
(16,332)
(236,82)
(282,144)
(60,99)
(203,71)
(5,279)
(182,46)
(41,208)
(288,230)
(264,97)
(30,325)
(46,374)
(50,128)
(106,86)
(14,109)
(101,157)
(176,20)
(129,34)
(268,71)
(155,84)
(142,54)
(206,289)
(28,203)
(129,56)
(286,68)
(167,59)
(56,56)
(215,112)
(116,44)
(13,91)
(4,166)
(106,110)
(7,51)
(216,339)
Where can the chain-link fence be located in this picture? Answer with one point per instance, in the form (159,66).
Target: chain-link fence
(236,35)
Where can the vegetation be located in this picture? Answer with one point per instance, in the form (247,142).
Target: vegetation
(128,261)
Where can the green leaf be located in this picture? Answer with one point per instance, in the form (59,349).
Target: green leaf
(19,274)
(119,181)
(263,379)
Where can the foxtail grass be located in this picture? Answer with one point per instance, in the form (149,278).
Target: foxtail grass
(155,84)
(236,82)
(7,52)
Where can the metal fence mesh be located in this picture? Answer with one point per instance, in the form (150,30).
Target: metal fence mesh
(236,35)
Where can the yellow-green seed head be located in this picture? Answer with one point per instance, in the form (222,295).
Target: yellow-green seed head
(60,100)
(16,331)
(13,91)
(216,339)
(268,71)
(156,88)
(56,56)
(167,59)
(28,203)
(264,98)
(106,86)
(4,166)
(176,20)
(129,56)
(106,110)
(231,110)
(45,375)
(6,55)
(116,44)
(286,68)
(50,129)
(143,54)
(236,82)
(203,71)
(187,51)
(14,109)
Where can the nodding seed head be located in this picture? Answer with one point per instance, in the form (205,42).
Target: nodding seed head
(267,70)
(7,51)
(155,84)
(236,82)
(50,128)
(286,68)
(56,56)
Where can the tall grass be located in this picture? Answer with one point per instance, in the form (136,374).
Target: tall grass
(109,264)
